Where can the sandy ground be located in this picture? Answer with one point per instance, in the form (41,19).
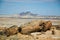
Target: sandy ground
(34,36)
(7,22)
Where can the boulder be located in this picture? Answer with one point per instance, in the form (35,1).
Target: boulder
(12,30)
(37,26)
(2,30)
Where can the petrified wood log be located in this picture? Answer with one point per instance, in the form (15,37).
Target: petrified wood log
(38,26)
(34,26)
(11,31)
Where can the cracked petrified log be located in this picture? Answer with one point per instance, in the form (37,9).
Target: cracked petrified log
(12,30)
(2,30)
(37,26)
(34,26)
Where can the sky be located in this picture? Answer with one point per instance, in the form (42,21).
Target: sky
(41,7)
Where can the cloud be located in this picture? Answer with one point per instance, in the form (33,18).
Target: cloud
(30,0)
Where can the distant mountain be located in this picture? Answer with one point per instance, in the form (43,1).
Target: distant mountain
(28,13)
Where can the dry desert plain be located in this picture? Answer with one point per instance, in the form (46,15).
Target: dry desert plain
(8,22)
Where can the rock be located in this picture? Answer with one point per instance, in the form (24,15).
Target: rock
(37,26)
(2,30)
(12,30)
(46,25)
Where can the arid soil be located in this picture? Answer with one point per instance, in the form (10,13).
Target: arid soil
(8,22)
(48,35)
(34,36)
